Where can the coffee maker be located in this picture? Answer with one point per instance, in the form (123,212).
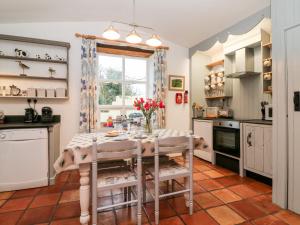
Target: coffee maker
(46,114)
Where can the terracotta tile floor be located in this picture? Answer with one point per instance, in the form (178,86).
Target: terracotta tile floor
(220,197)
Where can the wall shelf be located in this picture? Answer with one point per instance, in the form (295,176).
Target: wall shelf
(27,97)
(268,92)
(269,45)
(32,59)
(217,63)
(217,97)
(31,77)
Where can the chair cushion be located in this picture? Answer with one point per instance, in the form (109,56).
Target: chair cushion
(119,177)
(170,168)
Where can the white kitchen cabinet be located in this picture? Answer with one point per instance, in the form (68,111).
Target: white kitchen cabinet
(257,143)
(204,129)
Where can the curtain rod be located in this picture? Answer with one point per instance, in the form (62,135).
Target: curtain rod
(119,42)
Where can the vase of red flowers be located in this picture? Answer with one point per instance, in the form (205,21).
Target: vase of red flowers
(148,107)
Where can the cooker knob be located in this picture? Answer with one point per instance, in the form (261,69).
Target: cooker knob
(2,136)
(230,124)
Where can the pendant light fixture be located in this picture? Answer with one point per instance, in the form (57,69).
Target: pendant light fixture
(133,37)
(111,33)
(154,41)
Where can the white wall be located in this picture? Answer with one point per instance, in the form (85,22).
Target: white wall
(177,57)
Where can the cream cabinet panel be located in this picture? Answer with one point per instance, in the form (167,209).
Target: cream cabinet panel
(249,147)
(268,169)
(257,147)
(204,129)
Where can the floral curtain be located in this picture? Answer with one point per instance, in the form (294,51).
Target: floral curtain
(160,86)
(88,92)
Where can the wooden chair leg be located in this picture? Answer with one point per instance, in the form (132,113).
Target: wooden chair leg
(129,195)
(168,185)
(144,187)
(125,194)
(173,185)
(191,196)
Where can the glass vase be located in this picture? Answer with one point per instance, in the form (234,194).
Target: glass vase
(148,125)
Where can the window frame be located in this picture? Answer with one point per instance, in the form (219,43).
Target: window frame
(123,108)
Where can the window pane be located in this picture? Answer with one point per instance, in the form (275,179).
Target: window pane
(105,113)
(133,91)
(110,93)
(135,69)
(110,67)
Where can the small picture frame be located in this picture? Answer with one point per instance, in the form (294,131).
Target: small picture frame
(176,83)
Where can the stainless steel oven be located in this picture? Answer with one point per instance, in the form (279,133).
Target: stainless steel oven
(226,137)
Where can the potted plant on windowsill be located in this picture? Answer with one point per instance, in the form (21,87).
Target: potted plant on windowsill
(148,107)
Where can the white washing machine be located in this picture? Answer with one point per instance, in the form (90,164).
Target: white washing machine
(23,158)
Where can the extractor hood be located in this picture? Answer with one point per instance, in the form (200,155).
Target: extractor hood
(244,64)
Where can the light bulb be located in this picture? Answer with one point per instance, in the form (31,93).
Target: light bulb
(154,41)
(133,37)
(111,33)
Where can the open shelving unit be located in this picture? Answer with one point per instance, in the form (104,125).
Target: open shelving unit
(216,63)
(42,44)
(267,69)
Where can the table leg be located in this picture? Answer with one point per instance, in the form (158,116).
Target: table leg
(84,191)
(186,180)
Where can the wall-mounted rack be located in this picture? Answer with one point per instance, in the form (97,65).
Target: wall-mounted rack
(30,42)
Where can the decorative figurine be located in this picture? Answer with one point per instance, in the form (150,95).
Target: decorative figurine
(47,56)
(52,71)
(23,66)
(59,58)
(21,53)
(14,90)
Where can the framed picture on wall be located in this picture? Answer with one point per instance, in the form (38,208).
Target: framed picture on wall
(176,83)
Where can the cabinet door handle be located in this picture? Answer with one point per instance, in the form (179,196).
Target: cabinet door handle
(249,139)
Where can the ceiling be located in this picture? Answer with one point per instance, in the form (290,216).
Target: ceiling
(185,22)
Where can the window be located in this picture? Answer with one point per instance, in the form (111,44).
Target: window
(122,79)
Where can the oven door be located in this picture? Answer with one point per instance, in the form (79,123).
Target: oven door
(226,140)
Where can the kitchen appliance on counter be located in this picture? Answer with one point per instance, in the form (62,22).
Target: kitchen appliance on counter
(47,115)
(211,112)
(31,115)
(226,144)
(269,112)
(23,158)
(226,113)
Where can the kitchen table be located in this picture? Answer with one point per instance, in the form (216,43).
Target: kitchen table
(78,154)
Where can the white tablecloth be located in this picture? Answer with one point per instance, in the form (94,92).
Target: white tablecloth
(79,150)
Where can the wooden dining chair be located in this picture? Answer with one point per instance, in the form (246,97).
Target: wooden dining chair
(104,179)
(171,170)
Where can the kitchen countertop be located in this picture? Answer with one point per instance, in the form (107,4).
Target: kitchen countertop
(264,122)
(253,121)
(12,122)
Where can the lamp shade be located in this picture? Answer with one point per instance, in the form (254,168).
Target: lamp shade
(154,41)
(111,33)
(133,37)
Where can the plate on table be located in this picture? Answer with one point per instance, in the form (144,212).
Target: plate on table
(140,137)
(113,133)
(121,138)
